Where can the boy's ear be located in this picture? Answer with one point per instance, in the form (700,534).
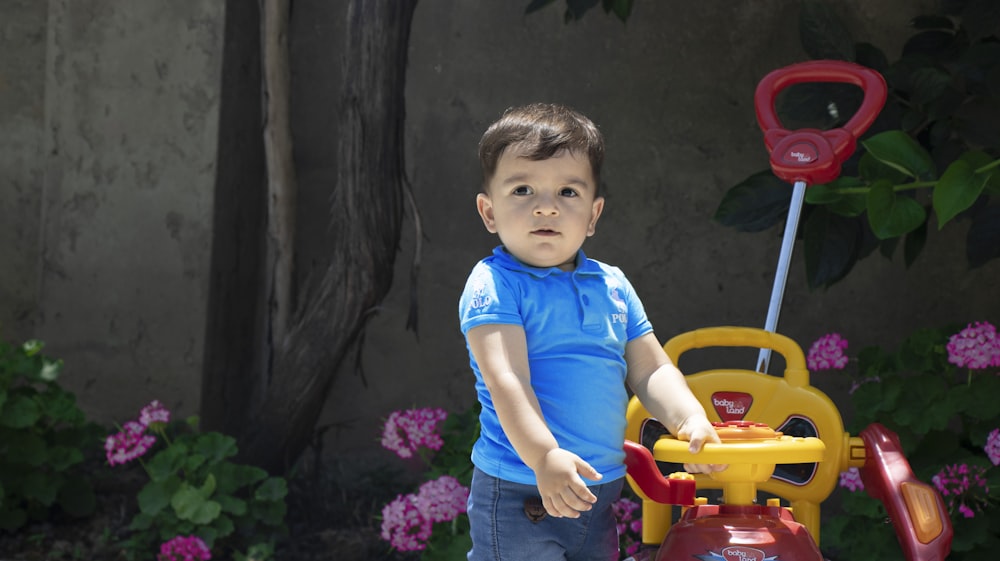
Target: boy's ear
(595,213)
(485,207)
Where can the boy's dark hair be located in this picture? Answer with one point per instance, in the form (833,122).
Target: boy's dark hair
(541,131)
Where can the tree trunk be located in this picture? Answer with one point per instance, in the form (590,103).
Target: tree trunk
(365,216)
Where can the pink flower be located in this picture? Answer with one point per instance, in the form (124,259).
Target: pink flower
(403,526)
(963,487)
(129,444)
(406,431)
(442,499)
(975,347)
(629,525)
(181,548)
(851,479)
(992,447)
(155,412)
(827,353)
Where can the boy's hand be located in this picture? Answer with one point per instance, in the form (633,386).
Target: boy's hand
(697,431)
(559,475)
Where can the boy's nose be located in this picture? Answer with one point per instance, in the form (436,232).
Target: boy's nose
(546,208)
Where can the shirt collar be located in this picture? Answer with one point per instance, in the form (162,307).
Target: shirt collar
(584,265)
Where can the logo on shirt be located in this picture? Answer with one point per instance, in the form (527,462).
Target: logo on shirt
(621,316)
(481,298)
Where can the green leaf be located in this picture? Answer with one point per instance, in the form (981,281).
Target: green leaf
(621,8)
(26,448)
(155,495)
(957,189)
(982,403)
(215,446)
(536,5)
(19,412)
(232,505)
(38,485)
(872,169)
(891,215)
(190,504)
(273,489)
(61,458)
(927,84)
(141,521)
(60,405)
(836,200)
(898,150)
(755,204)
(223,526)
(830,243)
(168,461)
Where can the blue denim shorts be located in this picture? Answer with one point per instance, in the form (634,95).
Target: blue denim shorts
(502,531)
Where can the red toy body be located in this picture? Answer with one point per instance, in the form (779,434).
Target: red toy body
(738,533)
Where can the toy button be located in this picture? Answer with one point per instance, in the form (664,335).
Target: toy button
(745,430)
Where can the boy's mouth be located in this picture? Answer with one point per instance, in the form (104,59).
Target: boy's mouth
(545,232)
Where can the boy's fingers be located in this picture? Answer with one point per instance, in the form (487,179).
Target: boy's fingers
(587,471)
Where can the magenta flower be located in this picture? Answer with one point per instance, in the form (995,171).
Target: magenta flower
(851,479)
(442,499)
(629,524)
(827,353)
(992,447)
(129,444)
(403,526)
(406,431)
(155,412)
(963,488)
(184,548)
(975,347)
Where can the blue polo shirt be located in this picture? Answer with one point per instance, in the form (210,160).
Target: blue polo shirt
(576,324)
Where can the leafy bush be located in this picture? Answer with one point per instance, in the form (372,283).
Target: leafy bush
(196,499)
(42,437)
(939,392)
(932,152)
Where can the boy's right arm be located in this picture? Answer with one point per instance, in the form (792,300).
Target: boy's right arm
(501,352)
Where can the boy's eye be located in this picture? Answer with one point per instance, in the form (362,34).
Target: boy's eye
(522,190)
(568,192)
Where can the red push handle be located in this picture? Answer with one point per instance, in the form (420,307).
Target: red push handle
(642,468)
(916,509)
(812,155)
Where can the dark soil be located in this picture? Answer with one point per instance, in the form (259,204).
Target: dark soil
(329,518)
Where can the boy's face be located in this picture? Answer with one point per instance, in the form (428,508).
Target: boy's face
(542,210)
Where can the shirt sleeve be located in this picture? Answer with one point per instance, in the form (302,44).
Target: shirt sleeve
(488,299)
(638,324)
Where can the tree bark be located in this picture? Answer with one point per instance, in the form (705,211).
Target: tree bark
(366,215)
(281,183)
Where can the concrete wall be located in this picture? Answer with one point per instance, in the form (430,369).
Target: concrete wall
(108,113)
(117,135)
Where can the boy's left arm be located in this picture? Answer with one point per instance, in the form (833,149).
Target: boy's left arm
(661,388)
